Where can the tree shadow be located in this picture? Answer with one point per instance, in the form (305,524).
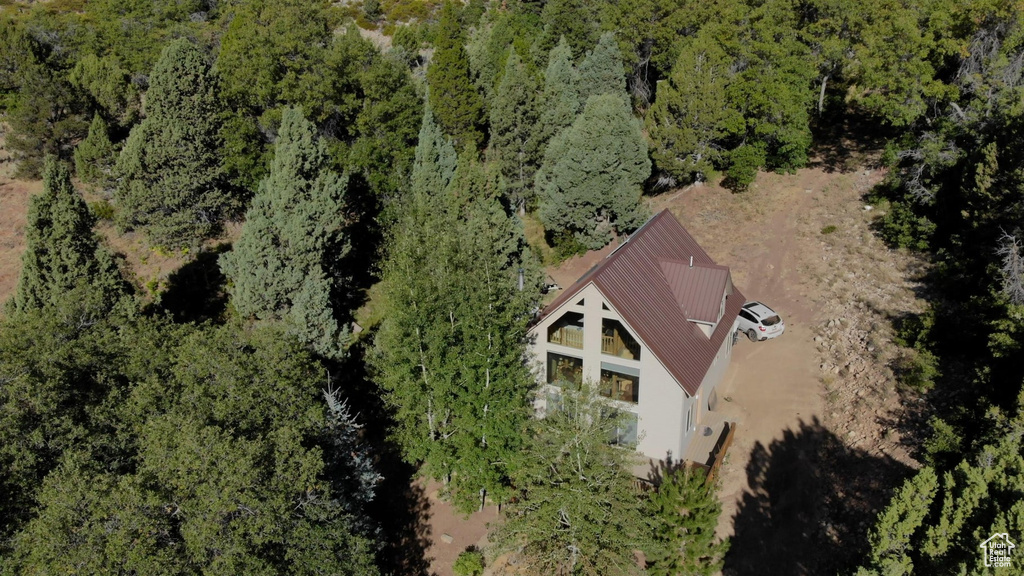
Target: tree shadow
(401,508)
(358,269)
(846,140)
(195,292)
(810,504)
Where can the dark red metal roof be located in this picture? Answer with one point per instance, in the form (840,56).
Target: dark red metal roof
(649,282)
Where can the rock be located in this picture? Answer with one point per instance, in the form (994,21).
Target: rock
(817,338)
(868,208)
(447,538)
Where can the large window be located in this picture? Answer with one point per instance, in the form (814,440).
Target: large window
(564,370)
(617,341)
(625,432)
(620,383)
(568,331)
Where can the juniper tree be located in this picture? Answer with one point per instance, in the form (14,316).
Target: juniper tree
(171,181)
(560,100)
(576,512)
(284,265)
(591,178)
(601,71)
(689,123)
(453,98)
(513,141)
(62,253)
(571,20)
(685,512)
(95,156)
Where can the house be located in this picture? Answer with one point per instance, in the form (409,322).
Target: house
(654,324)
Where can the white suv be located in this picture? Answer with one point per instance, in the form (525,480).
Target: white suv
(760,322)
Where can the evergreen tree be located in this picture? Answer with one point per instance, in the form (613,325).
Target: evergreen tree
(284,265)
(513,142)
(685,512)
(577,512)
(453,96)
(46,118)
(591,178)
(62,253)
(171,180)
(688,124)
(449,352)
(891,537)
(560,100)
(601,71)
(571,20)
(95,156)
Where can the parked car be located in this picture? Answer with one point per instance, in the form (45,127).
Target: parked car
(760,322)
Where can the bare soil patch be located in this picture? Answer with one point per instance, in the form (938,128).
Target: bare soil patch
(14,200)
(817,451)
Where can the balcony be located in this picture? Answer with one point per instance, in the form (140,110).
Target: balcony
(616,341)
(568,331)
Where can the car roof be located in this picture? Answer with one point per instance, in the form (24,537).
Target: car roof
(759,310)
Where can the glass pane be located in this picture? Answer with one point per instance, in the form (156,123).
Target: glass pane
(563,370)
(621,387)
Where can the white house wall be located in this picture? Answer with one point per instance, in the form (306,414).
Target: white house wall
(660,407)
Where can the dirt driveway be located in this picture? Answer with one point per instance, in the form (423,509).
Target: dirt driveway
(814,456)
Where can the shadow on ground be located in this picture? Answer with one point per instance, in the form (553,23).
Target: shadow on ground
(196,291)
(401,508)
(811,502)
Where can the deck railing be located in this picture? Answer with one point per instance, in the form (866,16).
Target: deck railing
(567,336)
(615,345)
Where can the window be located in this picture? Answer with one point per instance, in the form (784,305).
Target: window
(625,431)
(617,341)
(564,370)
(748,316)
(620,383)
(605,307)
(567,331)
(581,302)
(770,321)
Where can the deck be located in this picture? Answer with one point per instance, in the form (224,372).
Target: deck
(702,447)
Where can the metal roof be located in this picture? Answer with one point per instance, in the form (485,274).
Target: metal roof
(651,285)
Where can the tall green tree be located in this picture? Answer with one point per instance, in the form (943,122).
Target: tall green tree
(685,513)
(560,100)
(573,20)
(62,252)
(448,354)
(95,156)
(591,180)
(514,123)
(171,179)
(228,474)
(577,512)
(46,118)
(285,264)
(453,97)
(689,125)
(601,71)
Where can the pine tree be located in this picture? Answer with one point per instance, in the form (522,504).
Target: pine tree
(601,71)
(513,142)
(95,156)
(454,100)
(560,100)
(62,253)
(891,537)
(590,181)
(688,123)
(283,266)
(569,20)
(577,512)
(171,180)
(685,512)
(436,159)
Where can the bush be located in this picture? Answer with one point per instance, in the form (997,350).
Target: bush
(102,210)
(469,563)
(917,369)
(902,228)
(828,229)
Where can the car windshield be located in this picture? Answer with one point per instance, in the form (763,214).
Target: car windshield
(771,321)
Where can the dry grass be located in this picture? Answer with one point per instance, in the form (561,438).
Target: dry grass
(14,200)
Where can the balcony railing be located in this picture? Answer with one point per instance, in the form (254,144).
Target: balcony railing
(567,336)
(615,345)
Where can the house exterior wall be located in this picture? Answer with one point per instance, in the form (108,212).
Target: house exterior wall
(660,406)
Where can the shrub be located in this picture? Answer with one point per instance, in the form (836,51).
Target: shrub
(469,563)
(102,210)
(829,229)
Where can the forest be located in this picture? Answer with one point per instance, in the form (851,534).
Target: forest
(397,154)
